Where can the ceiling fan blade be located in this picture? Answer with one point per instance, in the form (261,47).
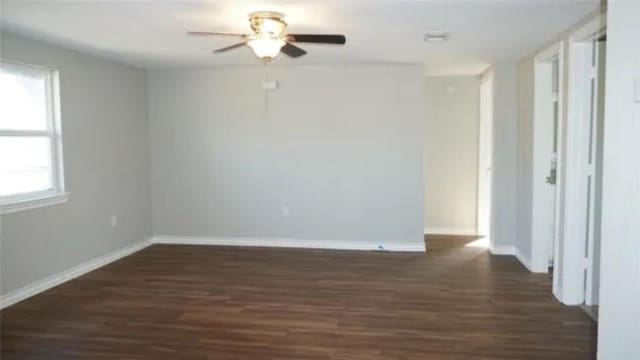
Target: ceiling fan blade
(318,38)
(292,50)
(209,33)
(234,46)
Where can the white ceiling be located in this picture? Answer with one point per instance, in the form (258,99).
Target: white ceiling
(150,33)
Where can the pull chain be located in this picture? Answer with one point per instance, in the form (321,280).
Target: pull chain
(266,91)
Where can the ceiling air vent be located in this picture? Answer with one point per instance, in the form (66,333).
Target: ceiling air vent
(436,36)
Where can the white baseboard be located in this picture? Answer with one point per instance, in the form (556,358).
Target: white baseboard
(81,269)
(78,270)
(524,260)
(503,250)
(287,243)
(434,230)
(513,251)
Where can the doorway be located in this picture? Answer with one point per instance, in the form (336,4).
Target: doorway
(588,108)
(485,158)
(577,255)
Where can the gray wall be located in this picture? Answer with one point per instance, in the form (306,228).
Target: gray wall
(341,147)
(619,321)
(451,153)
(505,162)
(525,155)
(104,123)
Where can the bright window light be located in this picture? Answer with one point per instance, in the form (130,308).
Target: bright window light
(30,138)
(28,172)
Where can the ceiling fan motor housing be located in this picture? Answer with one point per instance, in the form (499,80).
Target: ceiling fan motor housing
(268,23)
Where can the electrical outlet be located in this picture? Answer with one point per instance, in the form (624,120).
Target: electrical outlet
(114,221)
(285,210)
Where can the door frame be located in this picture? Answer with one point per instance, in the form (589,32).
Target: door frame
(485,158)
(599,48)
(545,202)
(570,264)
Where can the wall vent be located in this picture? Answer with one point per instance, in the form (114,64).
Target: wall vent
(436,36)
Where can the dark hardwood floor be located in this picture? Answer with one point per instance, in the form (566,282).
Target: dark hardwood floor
(196,302)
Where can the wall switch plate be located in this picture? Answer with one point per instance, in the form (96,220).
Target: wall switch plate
(285,210)
(270,85)
(114,221)
(636,90)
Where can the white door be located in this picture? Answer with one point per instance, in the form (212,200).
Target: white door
(552,178)
(545,163)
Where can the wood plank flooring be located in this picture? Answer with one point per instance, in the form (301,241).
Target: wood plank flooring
(197,302)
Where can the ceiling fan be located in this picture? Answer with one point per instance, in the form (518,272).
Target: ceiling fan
(269,37)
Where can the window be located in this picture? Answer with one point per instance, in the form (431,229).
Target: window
(30,138)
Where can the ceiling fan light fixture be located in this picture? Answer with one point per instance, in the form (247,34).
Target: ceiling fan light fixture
(266,48)
(269,37)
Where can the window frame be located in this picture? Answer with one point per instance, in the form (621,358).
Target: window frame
(56,194)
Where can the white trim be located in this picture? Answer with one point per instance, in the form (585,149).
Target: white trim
(561,151)
(53,132)
(484,190)
(24,68)
(595,28)
(526,262)
(72,273)
(434,230)
(27,133)
(55,117)
(594,171)
(545,206)
(511,250)
(503,250)
(34,203)
(287,243)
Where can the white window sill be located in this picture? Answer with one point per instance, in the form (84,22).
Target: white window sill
(34,203)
